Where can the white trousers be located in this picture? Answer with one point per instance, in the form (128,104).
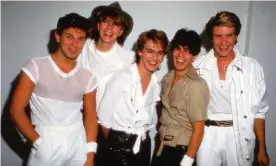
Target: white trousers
(61,146)
(218,148)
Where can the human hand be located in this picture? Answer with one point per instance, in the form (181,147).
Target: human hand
(262,158)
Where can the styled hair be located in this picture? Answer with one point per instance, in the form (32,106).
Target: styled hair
(119,19)
(73,20)
(223,18)
(156,36)
(189,39)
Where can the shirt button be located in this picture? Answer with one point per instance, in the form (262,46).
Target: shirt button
(128,127)
(246,139)
(137,111)
(247,159)
(242,92)
(238,69)
(245,116)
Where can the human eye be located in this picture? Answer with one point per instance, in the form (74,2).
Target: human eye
(161,53)
(82,39)
(69,36)
(149,51)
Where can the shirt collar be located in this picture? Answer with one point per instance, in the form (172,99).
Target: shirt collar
(211,60)
(137,78)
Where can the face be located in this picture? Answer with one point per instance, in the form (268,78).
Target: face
(224,40)
(182,59)
(151,56)
(71,42)
(109,30)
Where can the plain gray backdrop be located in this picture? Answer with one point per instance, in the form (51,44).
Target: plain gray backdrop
(25,28)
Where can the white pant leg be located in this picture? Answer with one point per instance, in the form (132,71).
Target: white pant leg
(61,145)
(218,147)
(209,151)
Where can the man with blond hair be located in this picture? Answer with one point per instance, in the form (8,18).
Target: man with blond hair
(238,105)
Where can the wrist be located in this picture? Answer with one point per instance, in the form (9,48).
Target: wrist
(91,147)
(37,142)
(187,161)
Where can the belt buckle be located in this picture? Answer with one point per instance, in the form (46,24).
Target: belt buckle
(207,123)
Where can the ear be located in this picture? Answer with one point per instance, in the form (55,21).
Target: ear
(140,53)
(194,57)
(57,36)
(121,32)
(98,26)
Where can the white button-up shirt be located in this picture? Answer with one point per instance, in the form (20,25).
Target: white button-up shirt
(125,108)
(104,64)
(248,98)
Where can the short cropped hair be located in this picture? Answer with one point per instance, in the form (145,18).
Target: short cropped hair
(188,39)
(73,20)
(156,36)
(223,18)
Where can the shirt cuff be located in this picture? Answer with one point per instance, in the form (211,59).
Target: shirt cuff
(186,161)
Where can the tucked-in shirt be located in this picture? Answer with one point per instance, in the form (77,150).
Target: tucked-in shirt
(57,96)
(104,64)
(248,98)
(183,103)
(221,91)
(124,107)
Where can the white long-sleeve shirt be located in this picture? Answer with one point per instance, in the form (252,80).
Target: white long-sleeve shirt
(124,107)
(104,64)
(248,98)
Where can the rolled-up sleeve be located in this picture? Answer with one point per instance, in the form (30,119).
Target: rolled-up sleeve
(262,106)
(198,101)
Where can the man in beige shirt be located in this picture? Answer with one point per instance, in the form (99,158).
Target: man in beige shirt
(184,97)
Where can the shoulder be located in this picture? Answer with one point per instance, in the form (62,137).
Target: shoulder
(167,77)
(199,84)
(127,54)
(250,61)
(122,74)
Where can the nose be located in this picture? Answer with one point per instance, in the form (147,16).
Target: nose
(74,42)
(223,40)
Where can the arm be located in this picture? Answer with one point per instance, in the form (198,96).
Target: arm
(196,138)
(198,101)
(90,122)
(262,157)
(19,101)
(259,122)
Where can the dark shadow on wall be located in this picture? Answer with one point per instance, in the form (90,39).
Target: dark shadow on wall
(206,41)
(9,132)
(52,44)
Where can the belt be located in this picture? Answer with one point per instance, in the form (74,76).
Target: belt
(130,138)
(224,123)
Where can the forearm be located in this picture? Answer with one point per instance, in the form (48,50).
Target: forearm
(195,142)
(259,126)
(91,130)
(105,131)
(23,124)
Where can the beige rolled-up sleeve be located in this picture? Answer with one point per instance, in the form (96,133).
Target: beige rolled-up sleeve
(199,97)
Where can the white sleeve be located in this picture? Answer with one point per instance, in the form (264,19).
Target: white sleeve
(262,95)
(92,84)
(31,69)
(111,97)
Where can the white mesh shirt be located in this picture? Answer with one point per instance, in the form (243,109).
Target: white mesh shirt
(57,97)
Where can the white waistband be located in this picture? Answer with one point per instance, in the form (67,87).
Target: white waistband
(220,117)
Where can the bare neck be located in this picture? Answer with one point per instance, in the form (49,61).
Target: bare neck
(104,46)
(64,64)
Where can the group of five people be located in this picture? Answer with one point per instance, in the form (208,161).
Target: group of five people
(213,106)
